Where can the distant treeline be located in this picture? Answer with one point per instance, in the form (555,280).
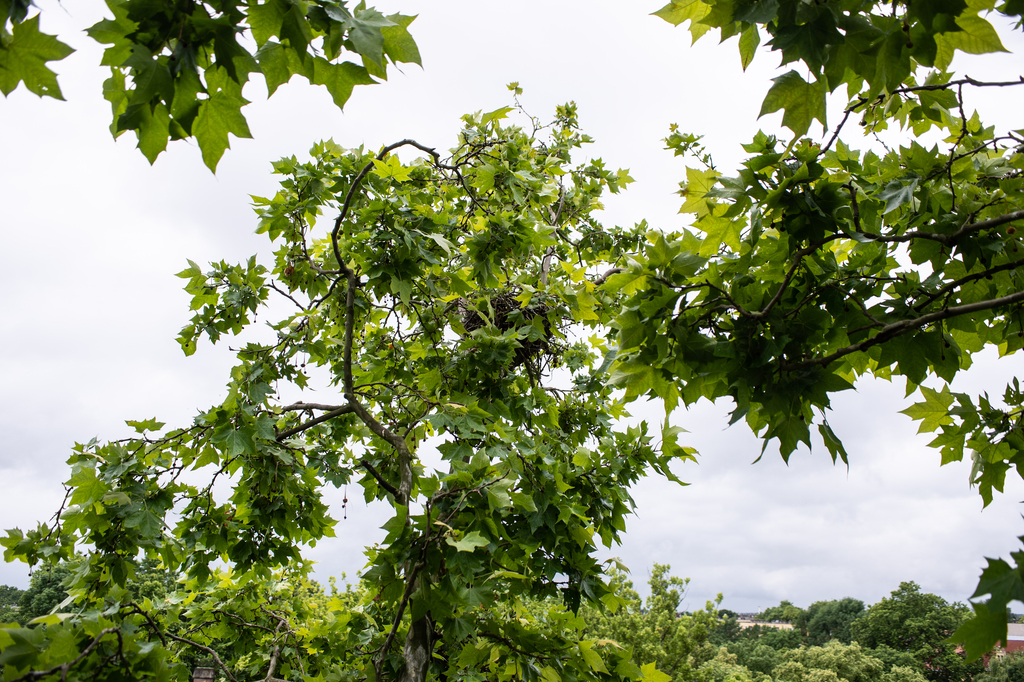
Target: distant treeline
(902,638)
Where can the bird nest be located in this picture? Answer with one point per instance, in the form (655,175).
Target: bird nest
(506,312)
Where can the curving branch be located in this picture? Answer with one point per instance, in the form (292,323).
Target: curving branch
(209,651)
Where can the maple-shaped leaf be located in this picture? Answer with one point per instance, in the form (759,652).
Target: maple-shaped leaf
(678,11)
(340,78)
(219,115)
(977,36)
(981,633)
(933,412)
(469,542)
(801,102)
(23,57)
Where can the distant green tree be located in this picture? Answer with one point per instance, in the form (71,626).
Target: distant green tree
(655,630)
(904,673)
(780,639)
(755,656)
(895,659)
(151,581)
(45,591)
(9,597)
(785,611)
(918,623)
(1007,669)
(727,630)
(846,662)
(827,620)
(725,667)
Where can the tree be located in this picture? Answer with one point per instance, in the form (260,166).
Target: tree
(655,632)
(818,263)
(471,304)
(827,620)
(725,667)
(46,590)
(177,70)
(835,660)
(438,302)
(9,598)
(919,624)
(785,611)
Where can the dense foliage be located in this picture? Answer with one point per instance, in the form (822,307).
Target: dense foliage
(177,68)
(483,335)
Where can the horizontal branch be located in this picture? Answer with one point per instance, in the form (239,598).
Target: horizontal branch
(299,406)
(903,326)
(946,239)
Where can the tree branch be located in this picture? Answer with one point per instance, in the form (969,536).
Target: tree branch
(947,239)
(288,433)
(208,650)
(969,278)
(409,585)
(396,441)
(64,668)
(903,326)
(380,479)
(607,273)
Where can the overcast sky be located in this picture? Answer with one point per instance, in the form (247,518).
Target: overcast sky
(92,236)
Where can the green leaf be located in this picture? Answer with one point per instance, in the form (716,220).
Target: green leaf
(340,79)
(398,43)
(833,444)
(593,659)
(977,36)
(265,20)
(23,59)
(147,522)
(719,230)
(801,102)
(366,35)
(469,542)
(154,131)
(678,11)
(145,425)
(636,377)
(219,115)
(651,673)
(981,633)
(895,194)
(934,411)
(749,40)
